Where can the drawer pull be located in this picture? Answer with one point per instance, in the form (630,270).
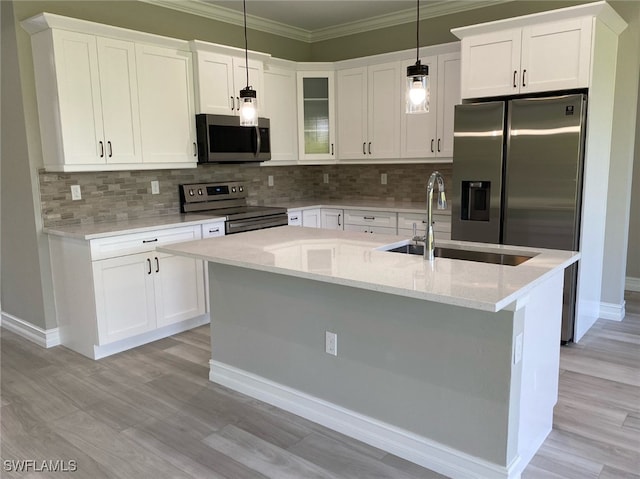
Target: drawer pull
(214,230)
(150,241)
(294,218)
(369,217)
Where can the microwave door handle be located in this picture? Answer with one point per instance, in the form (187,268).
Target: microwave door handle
(258,141)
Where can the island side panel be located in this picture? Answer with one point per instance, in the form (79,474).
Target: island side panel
(442,372)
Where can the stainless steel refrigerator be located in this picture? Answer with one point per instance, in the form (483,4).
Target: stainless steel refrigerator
(517,177)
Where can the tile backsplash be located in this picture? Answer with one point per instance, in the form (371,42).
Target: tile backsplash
(121,195)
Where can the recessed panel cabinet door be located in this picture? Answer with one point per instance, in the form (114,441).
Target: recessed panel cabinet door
(384,110)
(179,288)
(419,129)
(80,105)
(448,98)
(119,86)
(215,88)
(125,304)
(166,105)
(352,113)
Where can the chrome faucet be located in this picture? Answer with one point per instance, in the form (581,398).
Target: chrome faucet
(429,245)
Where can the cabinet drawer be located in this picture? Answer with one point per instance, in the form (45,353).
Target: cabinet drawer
(295,218)
(370,218)
(441,222)
(211,230)
(371,229)
(140,242)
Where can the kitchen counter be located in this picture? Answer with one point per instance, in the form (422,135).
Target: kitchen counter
(103,230)
(369,204)
(351,259)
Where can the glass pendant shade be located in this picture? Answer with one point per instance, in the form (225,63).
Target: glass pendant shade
(248,107)
(417,88)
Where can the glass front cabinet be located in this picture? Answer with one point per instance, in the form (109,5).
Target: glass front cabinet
(316,117)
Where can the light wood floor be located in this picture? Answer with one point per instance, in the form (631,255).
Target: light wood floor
(152,413)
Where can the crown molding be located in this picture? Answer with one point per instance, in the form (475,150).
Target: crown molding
(214,12)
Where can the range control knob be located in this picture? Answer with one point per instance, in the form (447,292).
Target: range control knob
(241,188)
(191,193)
(233,189)
(200,191)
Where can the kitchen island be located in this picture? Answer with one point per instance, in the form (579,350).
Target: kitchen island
(451,364)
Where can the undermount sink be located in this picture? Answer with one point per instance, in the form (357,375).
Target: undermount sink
(464,254)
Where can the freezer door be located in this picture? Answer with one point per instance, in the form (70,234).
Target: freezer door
(477,171)
(543,186)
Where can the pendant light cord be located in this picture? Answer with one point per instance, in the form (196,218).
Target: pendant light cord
(417,31)
(246,52)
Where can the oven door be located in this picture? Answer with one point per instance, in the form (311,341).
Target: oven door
(258,223)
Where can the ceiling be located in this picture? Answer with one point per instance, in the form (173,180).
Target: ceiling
(315,20)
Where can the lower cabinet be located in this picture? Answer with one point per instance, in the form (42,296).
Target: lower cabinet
(311,218)
(331,219)
(295,218)
(115,293)
(379,222)
(441,225)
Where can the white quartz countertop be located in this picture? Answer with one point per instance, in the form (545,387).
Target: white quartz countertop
(352,259)
(370,204)
(103,230)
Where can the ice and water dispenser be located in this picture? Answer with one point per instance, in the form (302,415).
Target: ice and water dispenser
(475,202)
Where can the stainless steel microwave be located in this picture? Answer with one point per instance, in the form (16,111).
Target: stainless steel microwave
(221,139)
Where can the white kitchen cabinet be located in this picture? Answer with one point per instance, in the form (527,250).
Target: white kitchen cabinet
(316,117)
(331,218)
(117,292)
(430,135)
(369,104)
(92,118)
(167,109)
(104,103)
(213,229)
(280,106)
(311,218)
(541,57)
(295,218)
(221,76)
(370,221)
(441,225)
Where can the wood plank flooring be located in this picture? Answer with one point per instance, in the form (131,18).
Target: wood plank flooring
(151,412)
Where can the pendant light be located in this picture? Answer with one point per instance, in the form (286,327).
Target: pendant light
(248,99)
(417,77)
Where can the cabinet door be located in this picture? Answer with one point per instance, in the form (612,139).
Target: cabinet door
(166,105)
(256,80)
(125,304)
(80,105)
(556,56)
(215,91)
(352,113)
(311,218)
(179,288)
(119,87)
(491,64)
(295,218)
(331,219)
(448,97)
(384,105)
(280,107)
(316,117)
(418,137)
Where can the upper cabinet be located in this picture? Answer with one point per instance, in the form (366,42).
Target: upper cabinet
(111,99)
(544,52)
(316,116)
(279,106)
(220,75)
(368,105)
(430,135)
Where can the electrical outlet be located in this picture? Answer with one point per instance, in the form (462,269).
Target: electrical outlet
(331,343)
(270,180)
(325,177)
(76,194)
(155,188)
(383,178)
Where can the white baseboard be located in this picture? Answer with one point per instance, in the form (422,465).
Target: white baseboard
(405,444)
(46,338)
(612,311)
(632,284)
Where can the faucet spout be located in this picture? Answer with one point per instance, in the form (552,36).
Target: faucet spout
(435,179)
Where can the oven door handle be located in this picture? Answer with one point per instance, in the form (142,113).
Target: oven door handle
(258,141)
(256,224)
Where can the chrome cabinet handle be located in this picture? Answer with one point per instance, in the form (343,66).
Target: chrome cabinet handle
(524,76)
(149,264)
(369,147)
(515,73)
(432,145)
(364,147)
(157,265)
(101,149)
(110,149)
(439,145)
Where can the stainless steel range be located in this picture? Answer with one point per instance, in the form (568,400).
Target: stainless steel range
(230,201)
